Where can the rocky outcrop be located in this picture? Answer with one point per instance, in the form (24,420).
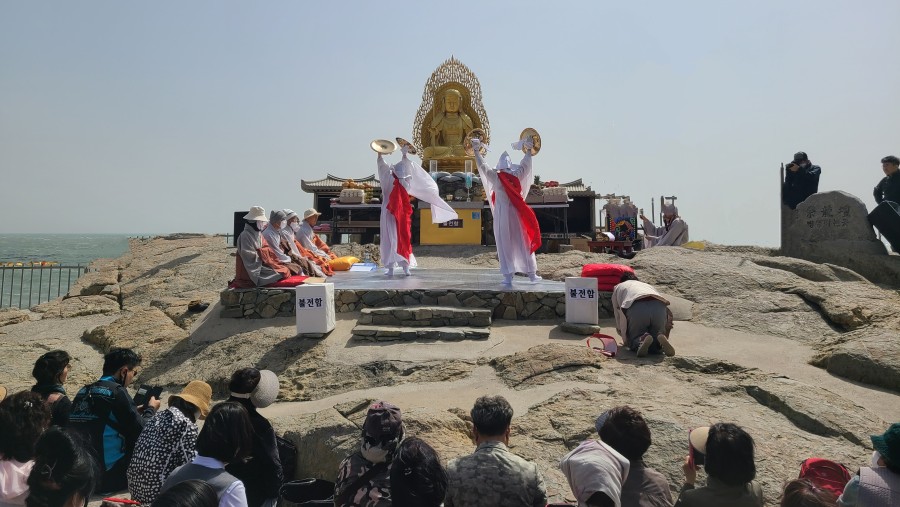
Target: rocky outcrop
(872,357)
(549,363)
(77,306)
(12,316)
(148,331)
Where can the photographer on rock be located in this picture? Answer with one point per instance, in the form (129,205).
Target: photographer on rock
(801,180)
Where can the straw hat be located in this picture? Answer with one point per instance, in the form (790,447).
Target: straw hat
(310,212)
(198,394)
(256,213)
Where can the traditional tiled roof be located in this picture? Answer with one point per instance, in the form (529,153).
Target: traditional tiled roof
(335,183)
(578,188)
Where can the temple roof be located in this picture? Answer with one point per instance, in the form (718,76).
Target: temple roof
(335,183)
(578,188)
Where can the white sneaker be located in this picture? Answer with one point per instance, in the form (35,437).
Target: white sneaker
(667,347)
(406,270)
(534,277)
(507,279)
(389,272)
(646,341)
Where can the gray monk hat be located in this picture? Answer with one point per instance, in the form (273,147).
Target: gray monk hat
(277,216)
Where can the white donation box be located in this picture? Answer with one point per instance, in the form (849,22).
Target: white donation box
(315,308)
(581,300)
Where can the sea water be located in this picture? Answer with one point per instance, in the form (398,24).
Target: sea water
(62,249)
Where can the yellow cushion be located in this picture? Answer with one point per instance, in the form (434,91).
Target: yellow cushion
(343,263)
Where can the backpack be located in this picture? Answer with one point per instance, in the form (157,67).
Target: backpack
(826,474)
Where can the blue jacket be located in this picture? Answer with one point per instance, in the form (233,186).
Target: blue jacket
(105,415)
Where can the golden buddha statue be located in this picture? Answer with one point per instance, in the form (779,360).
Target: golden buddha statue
(448,128)
(451,107)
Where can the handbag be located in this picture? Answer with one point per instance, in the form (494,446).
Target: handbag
(608,346)
(306,493)
(287,454)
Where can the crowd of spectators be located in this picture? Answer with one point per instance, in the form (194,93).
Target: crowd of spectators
(107,445)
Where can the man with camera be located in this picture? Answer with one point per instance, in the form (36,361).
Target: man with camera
(106,416)
(887,195)
(800,181)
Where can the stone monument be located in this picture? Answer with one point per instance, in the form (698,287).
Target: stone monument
(833,227)
(451,107)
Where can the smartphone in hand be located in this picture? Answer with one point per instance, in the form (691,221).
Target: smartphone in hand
(144,393)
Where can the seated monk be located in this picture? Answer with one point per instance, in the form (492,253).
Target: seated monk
(308,237)
(289,247)
(256,264)
(674,231)
(272,235)
(290,232)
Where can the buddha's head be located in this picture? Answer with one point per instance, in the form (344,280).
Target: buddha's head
(452,99)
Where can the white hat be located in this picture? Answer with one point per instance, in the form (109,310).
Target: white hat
(256,213)
(669,209)
(310,212)
(504,162)
(289,213)
(266,391)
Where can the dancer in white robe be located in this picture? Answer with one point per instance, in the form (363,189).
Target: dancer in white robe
(398,182)
(673,232)
(515,227)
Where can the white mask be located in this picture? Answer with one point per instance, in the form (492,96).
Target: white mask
(261,225)
(295,226)
(875,457)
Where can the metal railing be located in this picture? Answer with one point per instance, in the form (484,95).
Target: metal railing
(25,286)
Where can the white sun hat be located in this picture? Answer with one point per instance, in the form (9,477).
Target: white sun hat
(256,213)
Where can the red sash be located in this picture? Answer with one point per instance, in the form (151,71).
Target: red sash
(400,207)
(527,219)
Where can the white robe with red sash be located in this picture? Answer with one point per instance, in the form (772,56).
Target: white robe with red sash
(394,246)
(514,248)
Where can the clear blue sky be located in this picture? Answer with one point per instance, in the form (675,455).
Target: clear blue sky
(168,116)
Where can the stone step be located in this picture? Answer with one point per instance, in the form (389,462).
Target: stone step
(397,333)
(425,316)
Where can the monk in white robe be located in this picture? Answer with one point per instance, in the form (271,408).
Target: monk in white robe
(256,264)
(306,235)
(516,230)
(272,234)
(674,231)
(398,183)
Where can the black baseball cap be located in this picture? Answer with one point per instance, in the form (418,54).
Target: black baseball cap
(800,157)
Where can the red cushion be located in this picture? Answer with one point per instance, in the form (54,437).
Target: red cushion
(292,281)
(607,275)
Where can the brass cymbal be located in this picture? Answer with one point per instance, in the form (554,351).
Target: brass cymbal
(475,133)
(409,146)
(383,146)
(532,134)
